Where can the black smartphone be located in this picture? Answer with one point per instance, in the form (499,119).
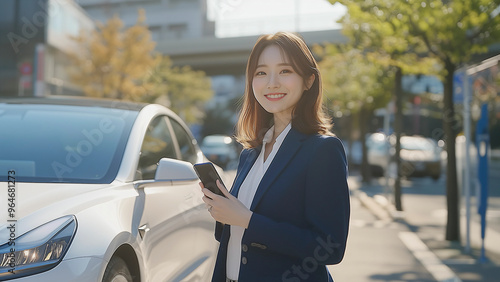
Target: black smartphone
(208,176)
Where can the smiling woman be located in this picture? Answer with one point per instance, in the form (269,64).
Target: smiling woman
(287,215)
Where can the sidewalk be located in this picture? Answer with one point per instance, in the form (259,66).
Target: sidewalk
(444,255)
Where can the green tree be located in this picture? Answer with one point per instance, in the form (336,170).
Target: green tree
(112,61)
(385,40)
(121,63)
(355,86)
(451,32)
(182,89)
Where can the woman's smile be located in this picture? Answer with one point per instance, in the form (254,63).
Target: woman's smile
(275,96)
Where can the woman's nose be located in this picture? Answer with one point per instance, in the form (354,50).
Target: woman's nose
(273,81)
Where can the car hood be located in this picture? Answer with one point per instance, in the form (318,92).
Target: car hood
(38,203)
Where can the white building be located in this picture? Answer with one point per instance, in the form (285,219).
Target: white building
(167,19)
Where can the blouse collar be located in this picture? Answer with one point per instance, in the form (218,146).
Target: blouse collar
(269,134)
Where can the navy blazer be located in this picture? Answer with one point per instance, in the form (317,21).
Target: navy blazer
(300,211)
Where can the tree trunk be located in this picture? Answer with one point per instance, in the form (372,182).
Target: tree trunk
(449,121)
(363,128)
(398,122)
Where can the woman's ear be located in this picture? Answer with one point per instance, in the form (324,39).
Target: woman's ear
(310,81)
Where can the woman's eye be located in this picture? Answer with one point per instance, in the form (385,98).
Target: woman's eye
(260,73)
(286,71)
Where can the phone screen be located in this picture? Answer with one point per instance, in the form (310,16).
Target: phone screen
(208,176)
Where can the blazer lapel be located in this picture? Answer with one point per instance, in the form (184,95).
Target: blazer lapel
(247,165)
(287,150)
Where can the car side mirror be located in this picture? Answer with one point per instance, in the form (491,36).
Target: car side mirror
(174,170)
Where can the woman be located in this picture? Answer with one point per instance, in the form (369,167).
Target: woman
(287,214)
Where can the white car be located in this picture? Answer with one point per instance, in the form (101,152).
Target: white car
(221,150)
(97,190)
(420,156)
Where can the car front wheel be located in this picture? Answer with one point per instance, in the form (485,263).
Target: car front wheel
(117,271)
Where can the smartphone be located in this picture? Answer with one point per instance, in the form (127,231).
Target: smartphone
(208,176)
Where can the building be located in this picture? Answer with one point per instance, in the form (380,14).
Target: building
(166,19)
(35,41)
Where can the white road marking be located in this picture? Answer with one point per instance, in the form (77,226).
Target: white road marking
(428,259)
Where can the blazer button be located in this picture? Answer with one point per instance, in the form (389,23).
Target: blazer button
(244,260)
(244,247)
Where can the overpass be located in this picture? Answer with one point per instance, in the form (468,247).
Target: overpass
(228,56)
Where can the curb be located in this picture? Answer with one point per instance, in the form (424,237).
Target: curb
(369,202)
(380,207)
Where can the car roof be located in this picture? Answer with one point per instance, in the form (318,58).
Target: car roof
(76,101)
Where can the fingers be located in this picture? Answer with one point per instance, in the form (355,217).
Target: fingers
(223,189)
(208,197)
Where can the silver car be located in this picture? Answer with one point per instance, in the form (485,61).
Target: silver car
(419,156)
(97,190)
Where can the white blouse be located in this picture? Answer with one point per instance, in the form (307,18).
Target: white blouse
(246,194)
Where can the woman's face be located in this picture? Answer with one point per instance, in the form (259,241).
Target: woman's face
(276,86)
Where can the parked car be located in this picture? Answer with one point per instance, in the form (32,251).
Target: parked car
(379,153)
(420,156)
(100,191)
(220,149)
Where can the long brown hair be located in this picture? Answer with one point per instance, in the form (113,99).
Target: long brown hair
(308,117)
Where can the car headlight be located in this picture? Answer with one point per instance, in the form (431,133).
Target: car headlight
(37,250)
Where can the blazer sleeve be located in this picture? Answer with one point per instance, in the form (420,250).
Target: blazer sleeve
(327,211)
(219,227)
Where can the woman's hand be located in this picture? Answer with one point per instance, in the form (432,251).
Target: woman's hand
(227,210)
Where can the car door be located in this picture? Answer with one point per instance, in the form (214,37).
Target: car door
(203,224)
(169,224)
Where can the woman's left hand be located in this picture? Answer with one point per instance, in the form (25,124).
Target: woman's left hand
(227,210)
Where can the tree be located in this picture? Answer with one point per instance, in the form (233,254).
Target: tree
(451,31)
(121,63)
(375,27)
(355,86)
(111,61)
(182,89)
(461,29)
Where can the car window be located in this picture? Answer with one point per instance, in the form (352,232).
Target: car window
(186,146)
(157,144)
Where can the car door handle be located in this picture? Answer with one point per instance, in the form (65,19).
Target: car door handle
(142,230)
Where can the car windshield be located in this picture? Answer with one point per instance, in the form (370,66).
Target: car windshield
(54,143)
(416,144)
